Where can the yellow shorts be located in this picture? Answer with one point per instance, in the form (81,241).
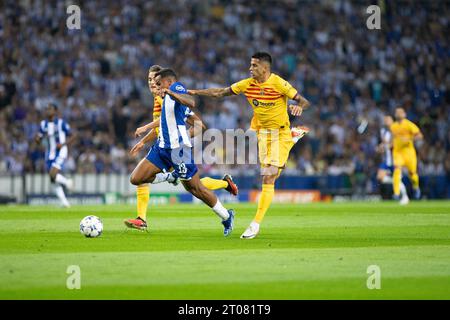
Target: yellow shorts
(274,146)
(406,158)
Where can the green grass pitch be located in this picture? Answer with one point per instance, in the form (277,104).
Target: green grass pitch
(311,251)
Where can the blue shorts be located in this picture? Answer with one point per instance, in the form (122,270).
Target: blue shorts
(180,159)
(385,166)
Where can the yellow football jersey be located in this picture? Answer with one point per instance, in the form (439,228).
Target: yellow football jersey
(268,99)
(157,105)
(403,134)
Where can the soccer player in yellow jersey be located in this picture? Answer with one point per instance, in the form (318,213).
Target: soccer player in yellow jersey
(143,190)
(157,103)
(268,94)
(404,133)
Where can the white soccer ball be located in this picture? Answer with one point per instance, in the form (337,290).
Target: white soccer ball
(91,226)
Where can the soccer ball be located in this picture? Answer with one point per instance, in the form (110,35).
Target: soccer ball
(91,226)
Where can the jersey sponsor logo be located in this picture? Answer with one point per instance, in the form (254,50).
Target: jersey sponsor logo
(257,103)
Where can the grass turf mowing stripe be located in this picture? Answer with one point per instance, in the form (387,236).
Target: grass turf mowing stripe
(296,266)
(304,251)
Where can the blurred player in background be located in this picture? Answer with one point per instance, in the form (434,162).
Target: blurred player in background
(172,139)
(384,174)
(404,133)
(268,94)
(58,135)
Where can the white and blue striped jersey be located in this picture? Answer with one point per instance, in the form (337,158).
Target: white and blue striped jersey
(173,133)
(55,131)
(386,139)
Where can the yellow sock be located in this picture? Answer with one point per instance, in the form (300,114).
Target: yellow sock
(214,184)
(264,202)
(142,197)
(415,180)
(396,178)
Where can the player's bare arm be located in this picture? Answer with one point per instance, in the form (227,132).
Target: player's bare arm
(184,99)
(418,139)
(196,125)
(212,92)
(146,139)
(418,136)
(152,125)
(141,130)
(69,141)
(297,109)
(382,145)
(38,139)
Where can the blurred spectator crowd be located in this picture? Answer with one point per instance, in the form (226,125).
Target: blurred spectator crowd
(350,74)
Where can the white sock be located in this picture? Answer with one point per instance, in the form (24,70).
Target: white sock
(170,177)
(254,225)
(61,179)
(403,192)
(387,179)
(60,194)
(220,210)
(163,176)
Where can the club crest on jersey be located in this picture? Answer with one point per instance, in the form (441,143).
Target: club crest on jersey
(179,88)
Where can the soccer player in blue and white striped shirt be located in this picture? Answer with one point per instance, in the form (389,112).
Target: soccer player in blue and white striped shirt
(58,135)
(174,150)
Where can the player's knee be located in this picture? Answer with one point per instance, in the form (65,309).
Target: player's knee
(134,180)
(270,179)
(197,190)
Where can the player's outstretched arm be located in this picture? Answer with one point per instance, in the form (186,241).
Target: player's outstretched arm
(184,99)
(213,92)
(146,139)
(139,131)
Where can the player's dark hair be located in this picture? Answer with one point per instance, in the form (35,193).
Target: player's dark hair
(165,73)
(52,105)
(263,56)
(155,68)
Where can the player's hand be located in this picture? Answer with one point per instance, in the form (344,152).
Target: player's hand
(136,149)
(139,131)
(165,90)
(59,146)
(296,110)
(379,148)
